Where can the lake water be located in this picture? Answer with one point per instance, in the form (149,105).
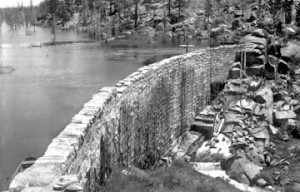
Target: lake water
(51,84)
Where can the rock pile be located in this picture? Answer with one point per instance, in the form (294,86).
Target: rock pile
(248,135)
(258,57)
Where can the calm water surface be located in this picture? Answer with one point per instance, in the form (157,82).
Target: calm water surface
(51,84)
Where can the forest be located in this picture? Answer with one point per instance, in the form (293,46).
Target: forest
(105,19)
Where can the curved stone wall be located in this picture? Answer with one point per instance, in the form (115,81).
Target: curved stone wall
(134,122)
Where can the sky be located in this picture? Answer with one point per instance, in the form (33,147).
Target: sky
(14,3)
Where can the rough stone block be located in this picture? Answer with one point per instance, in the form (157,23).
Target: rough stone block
(204,128)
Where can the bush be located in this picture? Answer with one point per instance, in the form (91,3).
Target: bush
(179,177)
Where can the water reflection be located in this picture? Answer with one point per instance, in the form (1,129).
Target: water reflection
(50,85)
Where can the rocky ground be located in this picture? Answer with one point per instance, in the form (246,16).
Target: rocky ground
(249,135)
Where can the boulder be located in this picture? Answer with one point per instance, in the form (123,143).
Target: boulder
(75,187)
(245,166)
(18,183)
(282,117)
(273,130)
(260,33)
(251,51)
(274,49)
(260,144)
(254,85)
(260,133)
(255,155)
(259,111)
(256,46)
(273,60)
(283,67)
(278,96)
(236,24)
(235,88)
(212,149)
(261,182)
(292,124)
(291,53)
(34,189)
(253,39)
(297,109)
(251,59)
(294,102)
(187,141)
(247,104)
(206,129)
(255,70)
(233,118)
(292,30)
(285,115)
(266,94)
(65,181)
(259,99)
(269,71)
(234,73)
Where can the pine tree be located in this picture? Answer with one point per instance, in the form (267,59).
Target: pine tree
(297,7)
(208,11)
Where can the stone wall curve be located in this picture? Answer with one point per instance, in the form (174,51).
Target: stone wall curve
(134,122)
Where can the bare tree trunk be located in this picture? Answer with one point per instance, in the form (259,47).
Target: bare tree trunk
(54,6)
(110,7)
(179,9)
(53,26)
(124,6)
(136,15)
(169,9)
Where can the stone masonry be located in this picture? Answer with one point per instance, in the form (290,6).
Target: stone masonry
(134,122)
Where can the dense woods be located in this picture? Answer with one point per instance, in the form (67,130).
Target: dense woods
(104,19)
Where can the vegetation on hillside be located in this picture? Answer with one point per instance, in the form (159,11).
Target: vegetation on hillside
(179,177)
(104,19)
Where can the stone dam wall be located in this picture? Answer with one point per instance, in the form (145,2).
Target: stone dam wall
(134,122)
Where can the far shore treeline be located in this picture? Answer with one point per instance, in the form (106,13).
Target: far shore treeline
(105,19)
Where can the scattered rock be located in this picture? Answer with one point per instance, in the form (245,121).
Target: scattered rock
(34,189)
(259,33)
(255,155)
(297,109)
(278,97)
(273,129)
(206,129)
(65,181)
(218,149)
(261,182)
(255,85)
(294,102)
(283,67)
(260,133)
(253,39)
(75,187)
(187,141)
(255,70)
(282,116)
(244,166)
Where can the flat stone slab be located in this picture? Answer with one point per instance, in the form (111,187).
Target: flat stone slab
(285,115)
